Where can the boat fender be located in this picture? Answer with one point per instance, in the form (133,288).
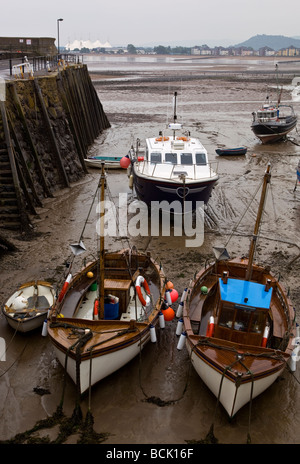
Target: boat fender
(294,357)
(210,327)
(171,296)
(179,309)
(131,181)
(152,334)
(168,297)
(45,329)
(179,327)
(141,282)
(183,294)
(64,288)
(96,309)
(265,336)
(161,320)
(181,341)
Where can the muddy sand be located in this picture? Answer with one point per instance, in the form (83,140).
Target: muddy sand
(219,112)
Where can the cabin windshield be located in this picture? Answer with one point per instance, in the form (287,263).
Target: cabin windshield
(186,158)
(171,158)
(200,159)
(155,157)
(266,114)
(242,318)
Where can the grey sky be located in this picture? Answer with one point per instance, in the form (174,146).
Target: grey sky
(139,22)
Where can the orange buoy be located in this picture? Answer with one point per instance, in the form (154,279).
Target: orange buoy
(64,288)
(169,285)
(168,313)
(125,162)
(140,158)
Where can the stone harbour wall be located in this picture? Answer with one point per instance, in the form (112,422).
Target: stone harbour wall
(47,125)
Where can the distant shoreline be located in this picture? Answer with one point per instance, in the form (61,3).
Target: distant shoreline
(193,67)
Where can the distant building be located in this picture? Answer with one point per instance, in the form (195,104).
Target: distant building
(290,51)
(201,50)
(39,46)
(266,51)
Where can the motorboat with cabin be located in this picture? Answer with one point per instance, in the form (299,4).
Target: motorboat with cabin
(174,169)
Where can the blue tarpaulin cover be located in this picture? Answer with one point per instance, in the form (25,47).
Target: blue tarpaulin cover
(235,291)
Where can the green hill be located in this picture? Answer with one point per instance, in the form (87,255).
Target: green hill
(276,42)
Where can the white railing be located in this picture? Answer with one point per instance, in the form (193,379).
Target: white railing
(192,172)
(20,70)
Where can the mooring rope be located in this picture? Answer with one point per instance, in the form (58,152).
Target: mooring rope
(154,399)
(210,438)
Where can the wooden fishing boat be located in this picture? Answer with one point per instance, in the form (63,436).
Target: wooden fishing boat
(111,162)
(231,151)
(106,313)
(27,308)
(174,170)
(239,325)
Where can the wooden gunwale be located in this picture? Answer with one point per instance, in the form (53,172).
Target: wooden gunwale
(61,341)
(238,372)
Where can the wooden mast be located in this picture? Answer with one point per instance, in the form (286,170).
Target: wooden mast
(175,114)
(267,178)
(101,254)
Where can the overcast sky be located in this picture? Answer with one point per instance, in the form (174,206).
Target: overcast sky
(139,22)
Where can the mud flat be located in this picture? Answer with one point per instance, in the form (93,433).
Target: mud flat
(150,400)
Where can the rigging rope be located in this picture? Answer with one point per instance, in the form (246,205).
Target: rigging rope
(247,207)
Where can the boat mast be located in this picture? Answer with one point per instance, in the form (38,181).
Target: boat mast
(101,253)
(267,178)
(279,92)
(175,114)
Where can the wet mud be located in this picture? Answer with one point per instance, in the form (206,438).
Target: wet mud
(158,398)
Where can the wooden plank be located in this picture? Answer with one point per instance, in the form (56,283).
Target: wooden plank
(116,284)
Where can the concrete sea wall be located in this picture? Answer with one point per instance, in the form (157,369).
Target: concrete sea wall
(47,125)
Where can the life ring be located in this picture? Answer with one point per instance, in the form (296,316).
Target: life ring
(142,282)
(162,139)
(184,139)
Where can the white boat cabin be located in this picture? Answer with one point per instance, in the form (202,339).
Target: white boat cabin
(267,113)
(175,157)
